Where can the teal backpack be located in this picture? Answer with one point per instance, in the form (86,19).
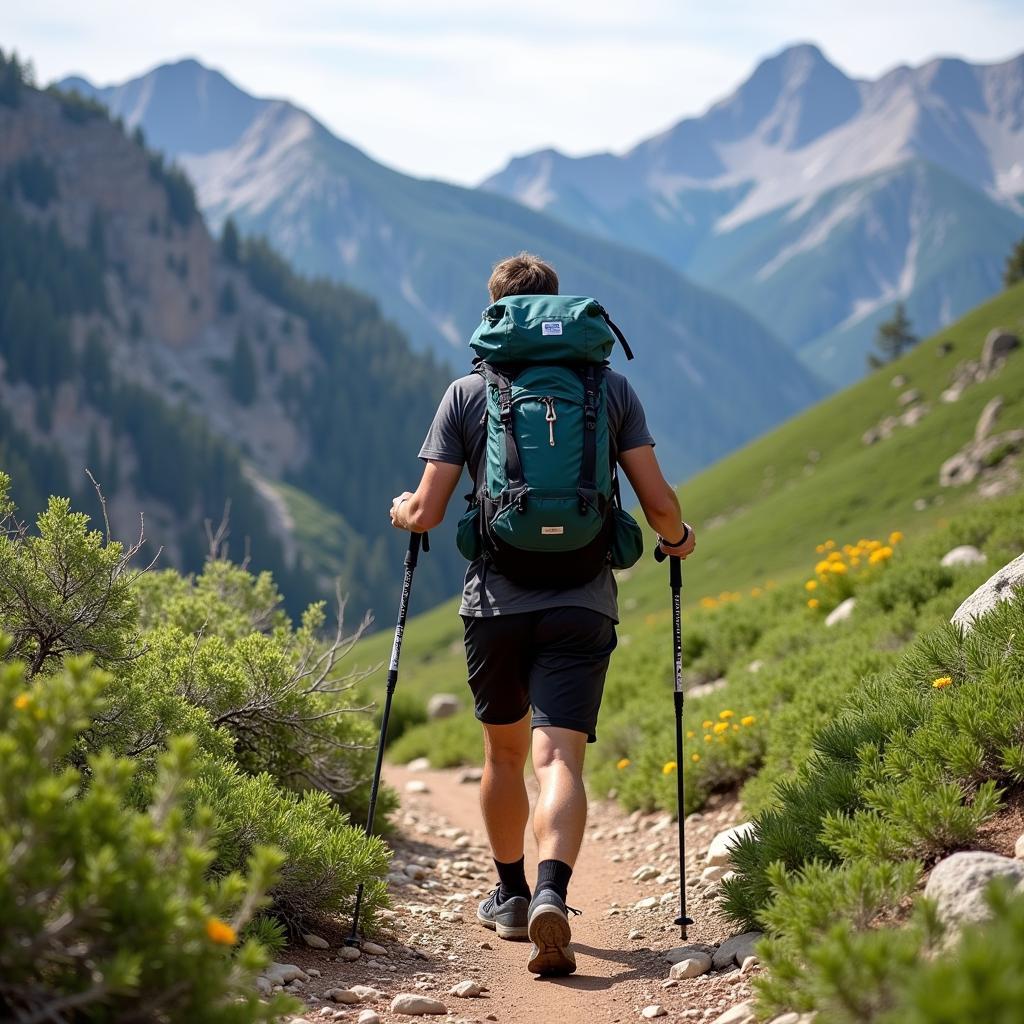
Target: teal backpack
(546,511)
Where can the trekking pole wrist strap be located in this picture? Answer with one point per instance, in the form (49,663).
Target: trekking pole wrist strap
(676,543)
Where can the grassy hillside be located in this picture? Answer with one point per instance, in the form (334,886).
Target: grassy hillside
(760,512)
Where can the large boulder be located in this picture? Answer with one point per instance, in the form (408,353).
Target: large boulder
(987,419)
(958,883)
(720,850)
(442,705)
(998,345)
(963,554)
(1000,586)
(735,950)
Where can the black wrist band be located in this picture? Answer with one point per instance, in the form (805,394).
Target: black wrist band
(678,543)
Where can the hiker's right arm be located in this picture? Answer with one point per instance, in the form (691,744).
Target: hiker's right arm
(657,498)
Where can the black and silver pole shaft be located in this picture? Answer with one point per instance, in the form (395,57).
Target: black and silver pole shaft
(676,583)
(411,558)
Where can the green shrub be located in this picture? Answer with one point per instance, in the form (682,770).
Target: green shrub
(110,913)
(448,743)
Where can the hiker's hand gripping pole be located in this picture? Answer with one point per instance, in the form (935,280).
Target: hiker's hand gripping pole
(675,577)
(411,558)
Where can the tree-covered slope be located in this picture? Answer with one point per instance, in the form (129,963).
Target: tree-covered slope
(189,374)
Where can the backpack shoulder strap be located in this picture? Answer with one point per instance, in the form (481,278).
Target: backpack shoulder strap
(591,376)
(618,334)
(513,464)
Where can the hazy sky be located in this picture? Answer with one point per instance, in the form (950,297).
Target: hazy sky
(453,89)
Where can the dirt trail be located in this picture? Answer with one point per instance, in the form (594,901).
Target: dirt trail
(436,941)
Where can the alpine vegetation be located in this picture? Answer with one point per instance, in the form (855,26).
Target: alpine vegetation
(179,762)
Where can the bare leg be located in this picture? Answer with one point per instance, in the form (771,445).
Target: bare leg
(503,799)
(561,813)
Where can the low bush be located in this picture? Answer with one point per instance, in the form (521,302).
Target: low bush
(110,913)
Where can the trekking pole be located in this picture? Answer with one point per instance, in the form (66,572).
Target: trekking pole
(675,576)
(411,557)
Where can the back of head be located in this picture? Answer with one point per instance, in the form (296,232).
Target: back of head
(524,274)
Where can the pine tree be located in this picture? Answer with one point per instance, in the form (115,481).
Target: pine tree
(1014,271)
(243,372)
(229,242)
(894,336)
(228,301)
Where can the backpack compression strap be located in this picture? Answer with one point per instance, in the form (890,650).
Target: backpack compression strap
(588,462)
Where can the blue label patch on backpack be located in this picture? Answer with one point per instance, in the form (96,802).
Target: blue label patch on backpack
(551,327)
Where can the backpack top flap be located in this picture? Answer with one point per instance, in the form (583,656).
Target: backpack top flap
(546,329)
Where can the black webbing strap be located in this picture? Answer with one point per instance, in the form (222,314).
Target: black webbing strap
(588,463)
(618,334)
(513,464)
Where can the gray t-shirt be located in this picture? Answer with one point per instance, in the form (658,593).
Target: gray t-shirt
(458,435)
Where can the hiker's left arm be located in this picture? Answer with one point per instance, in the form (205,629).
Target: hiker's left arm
(424,508)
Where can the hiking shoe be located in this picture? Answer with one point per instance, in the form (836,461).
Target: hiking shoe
(507,918)
(549,931)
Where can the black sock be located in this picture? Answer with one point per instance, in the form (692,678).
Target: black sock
(554,875)
(513,880)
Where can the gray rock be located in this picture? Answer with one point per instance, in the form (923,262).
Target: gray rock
(953,393)
(652,1011)
(914,415)
(647,903)
(680,953)
(1018,848)
(366,994)
(756,665)
(720,850)
(349,953)
(341,995)
(899,381)
(264,986)
(468,775)
(841,612)
(963,554)
(703,689)
(957,884)
(714,873)
(741,1013)
(998,587)
(987,419)
(315,941)
(692,967)
(369,1017)
(645,873)
(468,989)
(372,949)
(416,1005)
(735,950)
(416,786)
(998,345)
(442,705)
(418,764)
(908,397)
(281,974)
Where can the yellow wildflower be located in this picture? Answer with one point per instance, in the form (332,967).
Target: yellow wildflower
(695,758)
(811,585)
(855,561)
(22,701)
(820,548)
(755,591)
(941,682)
(895,537)
(220,932)
(835,556)
(735,728)
(668,768)
(723,715)
(839,568)
(829,545)
(747,720)
(623,762)
(708,737)
(721,727)
(690,734)
(707,723)
(813,603)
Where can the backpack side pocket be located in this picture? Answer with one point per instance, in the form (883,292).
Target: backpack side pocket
(627,540)
(467,534)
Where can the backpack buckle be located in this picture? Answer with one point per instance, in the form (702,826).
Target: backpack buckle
(521,502)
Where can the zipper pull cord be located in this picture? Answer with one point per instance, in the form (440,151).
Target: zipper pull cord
(550,418)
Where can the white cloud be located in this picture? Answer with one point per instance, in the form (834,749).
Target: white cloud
(452,90)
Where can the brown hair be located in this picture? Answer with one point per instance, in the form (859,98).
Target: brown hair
(524,274)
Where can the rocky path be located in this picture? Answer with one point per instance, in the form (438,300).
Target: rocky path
(626,884)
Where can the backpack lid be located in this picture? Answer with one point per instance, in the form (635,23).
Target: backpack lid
(546,329)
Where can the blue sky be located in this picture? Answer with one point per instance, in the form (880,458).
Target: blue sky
(454,89)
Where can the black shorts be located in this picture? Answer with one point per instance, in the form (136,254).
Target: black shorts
(553,661)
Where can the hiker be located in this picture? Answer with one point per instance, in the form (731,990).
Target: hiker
(538,645)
